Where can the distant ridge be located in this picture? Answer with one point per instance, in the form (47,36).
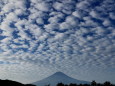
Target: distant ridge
(59,77)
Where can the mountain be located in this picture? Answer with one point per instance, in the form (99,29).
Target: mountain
(59,77)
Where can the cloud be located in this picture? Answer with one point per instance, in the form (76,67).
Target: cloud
(42,6)
(82,5)
(56,34)
(112,15)
(94,14)
(107,22)
(58,6)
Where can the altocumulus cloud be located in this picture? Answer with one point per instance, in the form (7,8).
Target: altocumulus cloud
(56,34)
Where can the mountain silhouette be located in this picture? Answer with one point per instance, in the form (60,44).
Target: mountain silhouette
(12,83)
(59,77)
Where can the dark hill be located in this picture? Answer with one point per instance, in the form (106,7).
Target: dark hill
(12,83)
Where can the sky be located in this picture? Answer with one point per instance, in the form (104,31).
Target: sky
(41,37)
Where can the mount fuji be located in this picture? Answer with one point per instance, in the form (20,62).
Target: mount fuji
(58,77)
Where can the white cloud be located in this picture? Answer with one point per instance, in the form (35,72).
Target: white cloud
(72,21)
(54,19)
(19,11)
(40,21)
(112,15)
(42,6)
(82,5)
(59,36)
(64,25)
(94,14)
(77,14)
(51,27)
(58,6)
(6,40)
(106,22)
(8,7)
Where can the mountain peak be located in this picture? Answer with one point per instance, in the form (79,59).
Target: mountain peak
(59,73)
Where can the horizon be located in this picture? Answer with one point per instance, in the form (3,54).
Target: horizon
(41,37)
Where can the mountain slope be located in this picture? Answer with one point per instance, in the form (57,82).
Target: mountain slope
(58,77)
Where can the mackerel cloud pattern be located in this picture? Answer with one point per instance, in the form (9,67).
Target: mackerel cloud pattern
(57,33)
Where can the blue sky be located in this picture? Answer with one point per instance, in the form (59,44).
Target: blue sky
(40,37)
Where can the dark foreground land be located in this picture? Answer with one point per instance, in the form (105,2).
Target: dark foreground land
(14,83)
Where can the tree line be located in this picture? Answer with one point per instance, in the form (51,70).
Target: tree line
(93,83)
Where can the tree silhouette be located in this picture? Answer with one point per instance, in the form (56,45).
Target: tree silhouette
(93,83)
(72,84)
(107,83)
(66,85)
(47,85)
(81,85)
(60,84)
